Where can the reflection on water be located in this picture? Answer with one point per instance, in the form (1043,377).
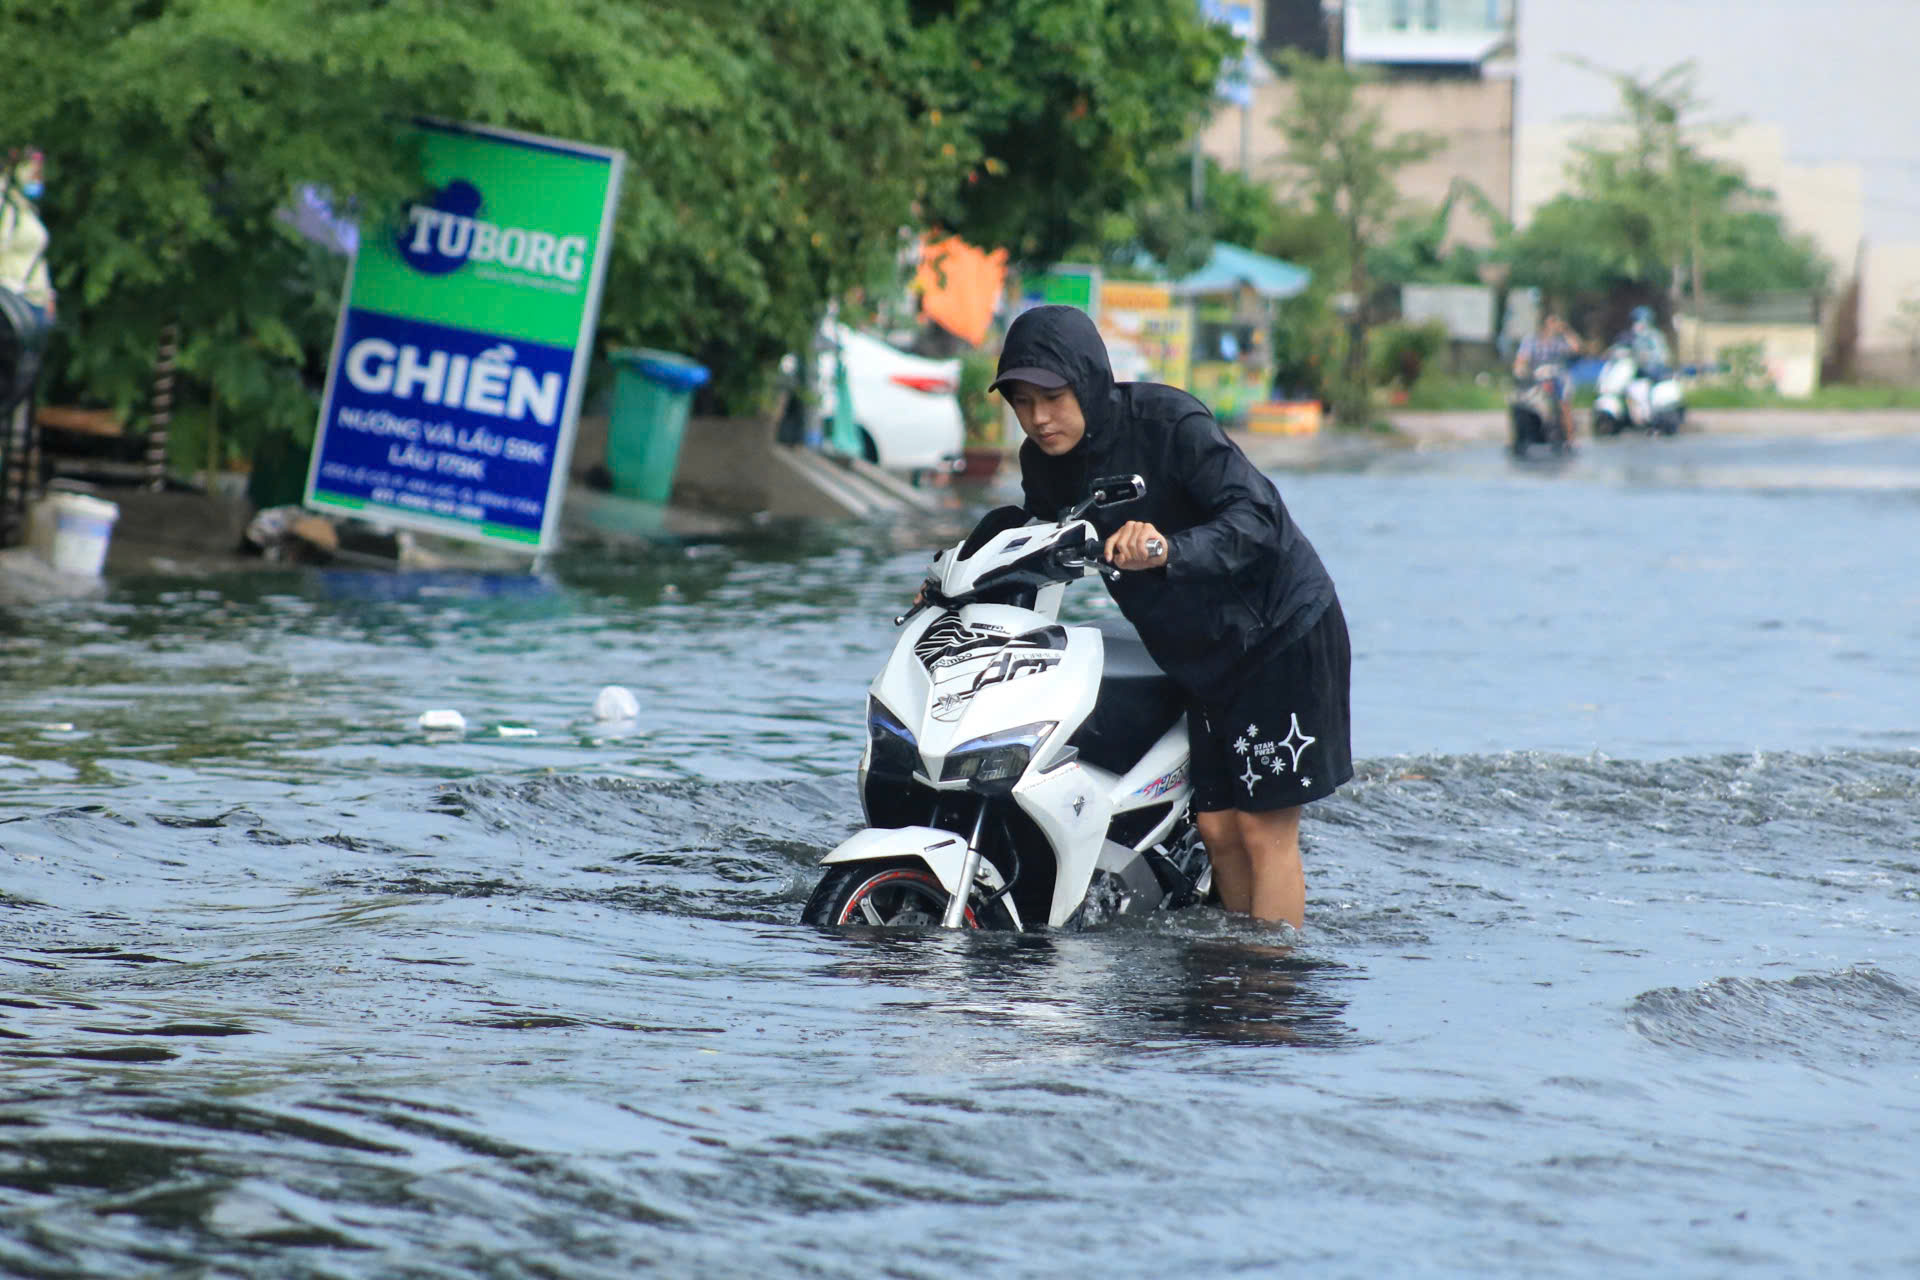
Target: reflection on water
(1137,985)
(1251,993)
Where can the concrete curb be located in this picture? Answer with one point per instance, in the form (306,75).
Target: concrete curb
(1419,431)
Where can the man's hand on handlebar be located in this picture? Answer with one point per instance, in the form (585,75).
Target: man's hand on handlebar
(1137,545)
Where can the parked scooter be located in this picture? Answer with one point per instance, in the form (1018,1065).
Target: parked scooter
(1018,772)
(1627,397)
(1536,413)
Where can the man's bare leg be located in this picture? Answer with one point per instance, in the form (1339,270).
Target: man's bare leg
(1256,862)
(1270,843)
(1232,875)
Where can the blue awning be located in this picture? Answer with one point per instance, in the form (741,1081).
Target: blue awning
(1230,266)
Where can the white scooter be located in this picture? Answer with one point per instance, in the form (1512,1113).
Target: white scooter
(1018,772)
(1625,397)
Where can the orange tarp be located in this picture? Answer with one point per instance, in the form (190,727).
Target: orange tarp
(960,286)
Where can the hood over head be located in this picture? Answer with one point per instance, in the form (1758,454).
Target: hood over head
(1060,343)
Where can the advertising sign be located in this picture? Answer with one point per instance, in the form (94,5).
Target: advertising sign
(461,354)
(1235,84)
(1072,286)
(1149,334)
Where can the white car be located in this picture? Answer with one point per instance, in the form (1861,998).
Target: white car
(906,406)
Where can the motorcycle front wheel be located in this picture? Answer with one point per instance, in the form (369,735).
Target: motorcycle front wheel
(891,895)
(1521,435)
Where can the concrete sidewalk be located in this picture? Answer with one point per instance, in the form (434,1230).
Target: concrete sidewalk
(1333,447)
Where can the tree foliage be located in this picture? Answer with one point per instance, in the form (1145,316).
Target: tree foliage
(1346,168)
(1651,213)
(1160,233)
(1417,251)
(1074,110)
(776,154)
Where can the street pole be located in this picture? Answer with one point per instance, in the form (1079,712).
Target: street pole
(160,402)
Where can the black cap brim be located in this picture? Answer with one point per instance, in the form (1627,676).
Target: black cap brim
(1038,377)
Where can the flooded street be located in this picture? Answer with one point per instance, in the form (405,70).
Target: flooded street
(1611,962)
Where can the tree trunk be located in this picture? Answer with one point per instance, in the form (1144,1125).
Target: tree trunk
(1355,406)
(1699,289)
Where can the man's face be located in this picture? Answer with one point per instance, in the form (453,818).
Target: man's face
(1049,415)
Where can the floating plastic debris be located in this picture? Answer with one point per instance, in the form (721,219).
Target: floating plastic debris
(615,703)
(443,720)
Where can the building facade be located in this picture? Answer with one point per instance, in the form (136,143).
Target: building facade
(1444,72)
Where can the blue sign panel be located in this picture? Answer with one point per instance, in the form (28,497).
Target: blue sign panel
(445,423)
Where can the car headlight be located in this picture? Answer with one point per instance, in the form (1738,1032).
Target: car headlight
(894,753)
(994,763)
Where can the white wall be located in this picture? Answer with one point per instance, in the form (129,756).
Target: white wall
(1473,117)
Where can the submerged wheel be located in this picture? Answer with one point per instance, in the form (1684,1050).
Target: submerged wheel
(890,895)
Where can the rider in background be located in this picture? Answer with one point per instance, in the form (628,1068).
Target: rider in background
(1553,343)
(1648,344)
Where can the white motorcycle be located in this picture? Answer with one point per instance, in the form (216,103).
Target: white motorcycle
(1018,772)
(1626,397)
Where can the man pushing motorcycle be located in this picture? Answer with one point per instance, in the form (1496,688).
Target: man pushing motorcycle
(1226,592)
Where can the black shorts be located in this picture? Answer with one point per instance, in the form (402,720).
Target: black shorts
(1282,738)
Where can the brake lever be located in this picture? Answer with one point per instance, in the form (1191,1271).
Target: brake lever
(1096,554)
(929,597)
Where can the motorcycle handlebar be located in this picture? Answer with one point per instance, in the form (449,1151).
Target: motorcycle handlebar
(1087,555)
(1090,553)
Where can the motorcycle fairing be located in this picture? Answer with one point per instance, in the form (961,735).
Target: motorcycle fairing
(1163,776)
(981,690)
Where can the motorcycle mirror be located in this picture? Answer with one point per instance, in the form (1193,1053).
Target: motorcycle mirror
(1112,491)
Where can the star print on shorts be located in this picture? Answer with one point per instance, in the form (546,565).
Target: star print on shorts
(1280,757)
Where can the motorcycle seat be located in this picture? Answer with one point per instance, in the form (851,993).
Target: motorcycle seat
(1137,703)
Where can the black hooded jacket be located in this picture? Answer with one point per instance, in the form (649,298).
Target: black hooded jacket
(1241,578)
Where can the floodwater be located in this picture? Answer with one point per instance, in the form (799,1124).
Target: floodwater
(1611,964)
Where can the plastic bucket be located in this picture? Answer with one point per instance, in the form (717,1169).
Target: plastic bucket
(71,532)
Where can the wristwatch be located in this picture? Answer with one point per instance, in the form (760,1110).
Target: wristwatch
(1155,547)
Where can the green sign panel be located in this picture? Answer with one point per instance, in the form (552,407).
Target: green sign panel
(1073,286)
(461,355)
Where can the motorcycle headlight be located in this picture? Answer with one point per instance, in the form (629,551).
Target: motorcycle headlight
(895,754)
(994,763)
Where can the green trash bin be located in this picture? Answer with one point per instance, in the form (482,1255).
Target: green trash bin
(652,391)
